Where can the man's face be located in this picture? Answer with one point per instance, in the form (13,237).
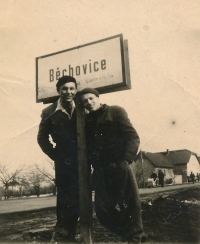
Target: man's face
(90,102)
(68,91)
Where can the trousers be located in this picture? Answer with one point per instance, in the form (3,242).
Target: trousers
(67,208)
(117,201)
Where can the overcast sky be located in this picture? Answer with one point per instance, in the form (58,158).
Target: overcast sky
(164,53)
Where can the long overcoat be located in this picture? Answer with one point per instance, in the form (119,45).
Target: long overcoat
(62,129)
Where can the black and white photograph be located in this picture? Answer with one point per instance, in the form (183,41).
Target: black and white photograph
(100,121)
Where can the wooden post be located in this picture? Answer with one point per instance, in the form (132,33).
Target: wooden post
(85,189)
(142,169)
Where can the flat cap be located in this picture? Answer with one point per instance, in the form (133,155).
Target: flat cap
(65,79)
(89,90)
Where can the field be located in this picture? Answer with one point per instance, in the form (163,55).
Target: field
(170,217)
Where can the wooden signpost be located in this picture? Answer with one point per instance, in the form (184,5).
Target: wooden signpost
(103,65)
(85,188)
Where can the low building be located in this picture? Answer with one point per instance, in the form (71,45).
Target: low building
(147,163)
(184,162)
(177,165)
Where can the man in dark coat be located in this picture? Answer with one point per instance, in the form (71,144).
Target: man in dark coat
(198,177)
(192,176)
(161,177)
(112,144)
(59,122)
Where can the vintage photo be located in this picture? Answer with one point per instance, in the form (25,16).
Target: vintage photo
(100,121)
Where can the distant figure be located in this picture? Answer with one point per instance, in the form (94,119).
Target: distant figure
(161,177)
(164,172)
(198,177)
(154,177)
(192,176)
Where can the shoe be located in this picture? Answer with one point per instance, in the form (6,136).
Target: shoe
(134,240)
(61,230)
(144,238)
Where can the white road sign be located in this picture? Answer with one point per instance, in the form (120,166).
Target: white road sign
(99,65)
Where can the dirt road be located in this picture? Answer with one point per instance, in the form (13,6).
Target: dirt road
(169,217)
(27,204)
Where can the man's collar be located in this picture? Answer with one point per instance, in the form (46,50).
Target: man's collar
(60,107)
(99,110)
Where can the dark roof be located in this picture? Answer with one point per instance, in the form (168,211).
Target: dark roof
(158,160)
(178,156)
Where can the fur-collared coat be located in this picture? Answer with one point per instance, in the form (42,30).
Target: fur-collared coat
(62,129)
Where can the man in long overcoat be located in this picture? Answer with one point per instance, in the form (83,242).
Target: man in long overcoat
(161,177)
(112,144)
(59,122)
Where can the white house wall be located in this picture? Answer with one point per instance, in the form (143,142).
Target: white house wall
(193,165)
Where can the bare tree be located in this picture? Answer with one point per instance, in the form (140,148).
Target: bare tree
(10,177)
(24,185)
(35,178)
(48,176)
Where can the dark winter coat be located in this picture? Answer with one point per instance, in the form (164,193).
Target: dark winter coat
(62,129)
(110,136)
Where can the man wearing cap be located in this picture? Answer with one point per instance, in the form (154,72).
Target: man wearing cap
(112,145)
(59,122)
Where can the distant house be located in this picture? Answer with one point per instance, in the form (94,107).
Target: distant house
(184,161)
(147,162)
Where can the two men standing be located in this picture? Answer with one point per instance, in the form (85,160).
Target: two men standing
(112,145)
